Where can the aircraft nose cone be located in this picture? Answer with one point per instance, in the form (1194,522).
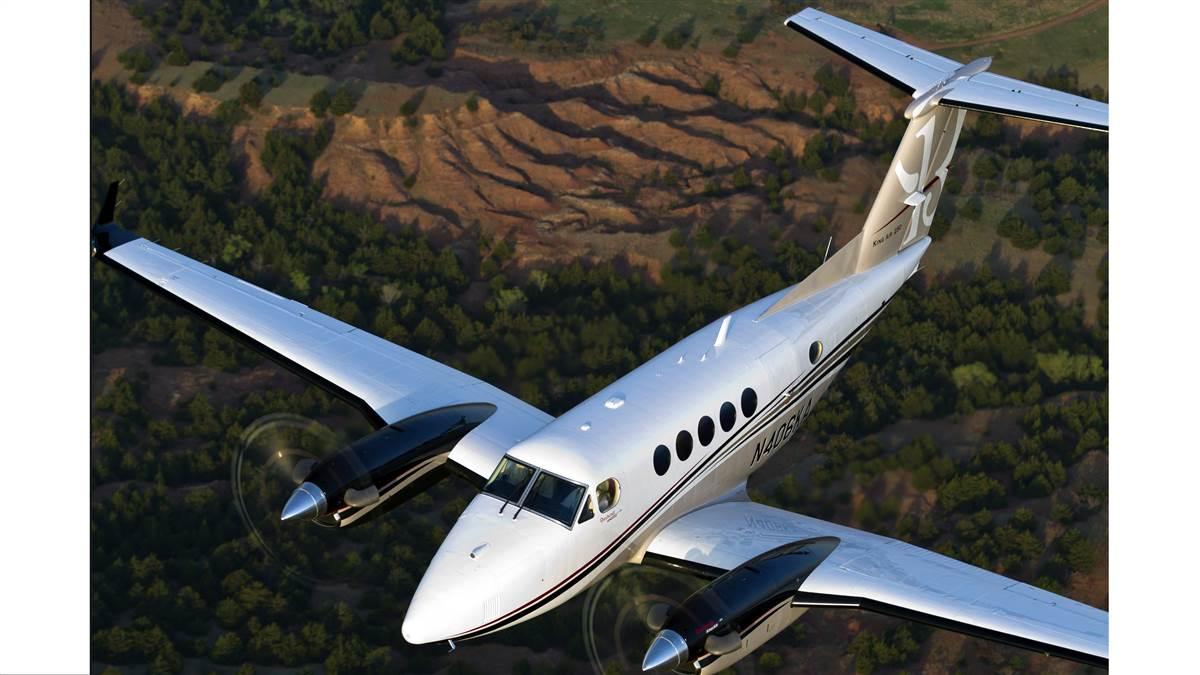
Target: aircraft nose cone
(667,651)
(308,501)
(431,617)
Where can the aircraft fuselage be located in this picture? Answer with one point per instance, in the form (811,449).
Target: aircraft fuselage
(750,379)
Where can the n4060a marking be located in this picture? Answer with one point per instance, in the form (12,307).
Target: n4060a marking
(782,434)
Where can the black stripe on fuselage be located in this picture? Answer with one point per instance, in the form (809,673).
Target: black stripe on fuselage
(803,599)
(778,406)
(112,233)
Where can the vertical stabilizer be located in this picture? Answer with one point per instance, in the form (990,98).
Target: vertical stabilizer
(904,208)
(943,90)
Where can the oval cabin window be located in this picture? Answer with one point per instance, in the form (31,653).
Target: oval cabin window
(683,445)
(728,415)
(705,430)
(662,459)
(608,494)
(749,402)
(814,351)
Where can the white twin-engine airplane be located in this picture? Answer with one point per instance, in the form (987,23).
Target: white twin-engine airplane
(653,468)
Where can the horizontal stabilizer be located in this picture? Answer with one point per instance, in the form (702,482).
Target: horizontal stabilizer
(988,92)
(911,69)
(937,80)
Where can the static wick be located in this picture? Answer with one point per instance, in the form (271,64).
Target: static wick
(827,247)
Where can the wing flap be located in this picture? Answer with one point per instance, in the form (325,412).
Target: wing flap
(890,576)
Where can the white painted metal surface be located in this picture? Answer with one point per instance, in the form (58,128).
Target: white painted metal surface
(392,381)
(889,571)
(936,80)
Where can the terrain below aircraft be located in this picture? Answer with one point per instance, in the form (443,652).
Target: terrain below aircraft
(653,468)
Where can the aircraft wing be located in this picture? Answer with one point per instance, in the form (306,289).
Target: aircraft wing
(872,572)
(386,382)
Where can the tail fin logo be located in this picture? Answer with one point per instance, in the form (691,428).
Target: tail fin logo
(913,184)
(911,181)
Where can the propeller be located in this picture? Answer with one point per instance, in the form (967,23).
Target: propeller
(277,452)
(623,613)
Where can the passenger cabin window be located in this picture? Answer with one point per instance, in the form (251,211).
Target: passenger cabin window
(728,416)
(683,445)
(608,494)
(814,351)
(509,479)
(662,459)
(749,402)
(554,498)
(705,430)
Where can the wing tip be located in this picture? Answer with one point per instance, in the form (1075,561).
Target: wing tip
(109,206)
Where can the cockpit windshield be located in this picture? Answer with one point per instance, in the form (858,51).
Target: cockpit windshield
(551,496)
(554,498)
(509,480)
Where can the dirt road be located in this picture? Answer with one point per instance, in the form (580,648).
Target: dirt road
(1007,35)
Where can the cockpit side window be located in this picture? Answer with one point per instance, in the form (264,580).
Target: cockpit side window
(554,497)
(608,494)
(509,479)
(587,512)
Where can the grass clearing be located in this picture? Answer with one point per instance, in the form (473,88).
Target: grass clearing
(296,90)
(1082,44)
(952,20)
(178,76)
(972,244)
(719,20)
(716,21)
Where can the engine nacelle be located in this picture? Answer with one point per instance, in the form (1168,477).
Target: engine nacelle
(738,611)
(388,467)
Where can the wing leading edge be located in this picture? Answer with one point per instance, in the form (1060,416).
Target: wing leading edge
(873,572)
(386,382)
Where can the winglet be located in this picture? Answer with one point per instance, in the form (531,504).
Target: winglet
(110,205)
(107,235)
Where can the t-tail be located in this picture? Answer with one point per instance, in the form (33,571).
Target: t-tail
(942,90)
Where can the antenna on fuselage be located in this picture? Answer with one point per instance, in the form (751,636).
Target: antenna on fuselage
(827,247)
(722,332)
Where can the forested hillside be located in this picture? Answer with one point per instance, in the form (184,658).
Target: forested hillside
(973,419)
